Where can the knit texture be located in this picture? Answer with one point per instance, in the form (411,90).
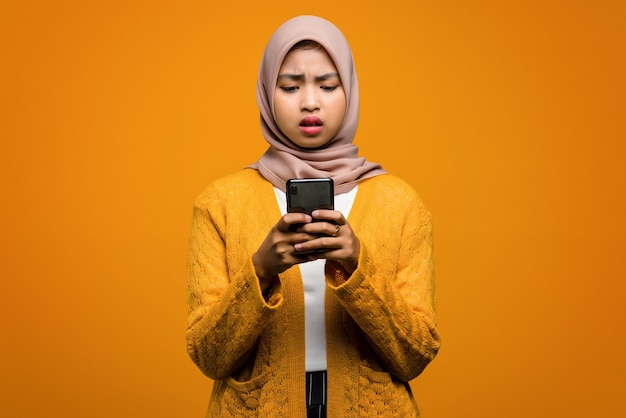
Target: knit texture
(380,321)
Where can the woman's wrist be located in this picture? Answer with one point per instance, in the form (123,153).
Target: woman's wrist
(265,279)
(349,266)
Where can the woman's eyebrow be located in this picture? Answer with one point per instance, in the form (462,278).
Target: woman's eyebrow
(326,76)
(300,77)
(294,77)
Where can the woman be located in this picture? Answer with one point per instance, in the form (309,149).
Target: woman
(298,315)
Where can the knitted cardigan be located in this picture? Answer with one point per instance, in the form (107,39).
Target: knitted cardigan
(380,321)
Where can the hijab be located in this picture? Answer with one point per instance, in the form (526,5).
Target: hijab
(338,159)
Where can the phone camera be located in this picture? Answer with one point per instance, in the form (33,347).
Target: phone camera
(293,190)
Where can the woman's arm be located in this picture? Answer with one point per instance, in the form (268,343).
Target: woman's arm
(395,310)
(227,310)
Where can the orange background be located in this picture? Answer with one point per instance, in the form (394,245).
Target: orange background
(508,118)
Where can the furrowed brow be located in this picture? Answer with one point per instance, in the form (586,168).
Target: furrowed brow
(293,77)
(300,77)
(327,76)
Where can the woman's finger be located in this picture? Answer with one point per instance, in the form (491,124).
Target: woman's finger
(287,222)
(321,228)
(332,216)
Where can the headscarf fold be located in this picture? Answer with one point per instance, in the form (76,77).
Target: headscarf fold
(338,159)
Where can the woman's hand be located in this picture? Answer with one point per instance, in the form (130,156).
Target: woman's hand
(277,253)
(333,239)
(296,239)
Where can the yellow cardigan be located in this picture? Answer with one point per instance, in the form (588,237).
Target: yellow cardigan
(380,323)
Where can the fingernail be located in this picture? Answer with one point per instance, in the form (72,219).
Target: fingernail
(297,246)
(308,218)
(315,213)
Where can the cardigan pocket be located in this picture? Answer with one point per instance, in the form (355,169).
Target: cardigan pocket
(243,398)
(382,395)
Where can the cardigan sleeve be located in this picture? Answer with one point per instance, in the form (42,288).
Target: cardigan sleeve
(227,310)
(394,306)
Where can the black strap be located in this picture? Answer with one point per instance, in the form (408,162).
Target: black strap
(316,383)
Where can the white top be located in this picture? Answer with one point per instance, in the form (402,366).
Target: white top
(314,290)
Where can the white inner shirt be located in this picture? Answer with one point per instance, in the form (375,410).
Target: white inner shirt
(314,284)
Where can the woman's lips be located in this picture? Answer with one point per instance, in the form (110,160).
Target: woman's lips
(311,125)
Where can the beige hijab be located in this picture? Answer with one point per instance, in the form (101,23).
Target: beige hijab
(339,158)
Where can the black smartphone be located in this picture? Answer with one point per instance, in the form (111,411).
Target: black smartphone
(306,195)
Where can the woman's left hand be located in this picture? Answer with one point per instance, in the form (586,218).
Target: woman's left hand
(334,240)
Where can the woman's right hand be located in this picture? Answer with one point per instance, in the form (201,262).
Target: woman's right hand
(276,254)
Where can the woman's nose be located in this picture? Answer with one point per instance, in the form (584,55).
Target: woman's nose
(310,99)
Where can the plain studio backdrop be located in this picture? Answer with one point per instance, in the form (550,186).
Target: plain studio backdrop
(507,117)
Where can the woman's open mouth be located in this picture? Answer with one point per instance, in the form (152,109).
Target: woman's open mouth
(311,125)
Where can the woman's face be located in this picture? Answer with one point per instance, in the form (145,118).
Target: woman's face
(309,100)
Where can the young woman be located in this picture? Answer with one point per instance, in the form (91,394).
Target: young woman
(297,315)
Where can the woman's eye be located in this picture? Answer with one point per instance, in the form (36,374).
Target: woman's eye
(289,89)
(329,88)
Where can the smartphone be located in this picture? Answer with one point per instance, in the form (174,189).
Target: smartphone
(306,195)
